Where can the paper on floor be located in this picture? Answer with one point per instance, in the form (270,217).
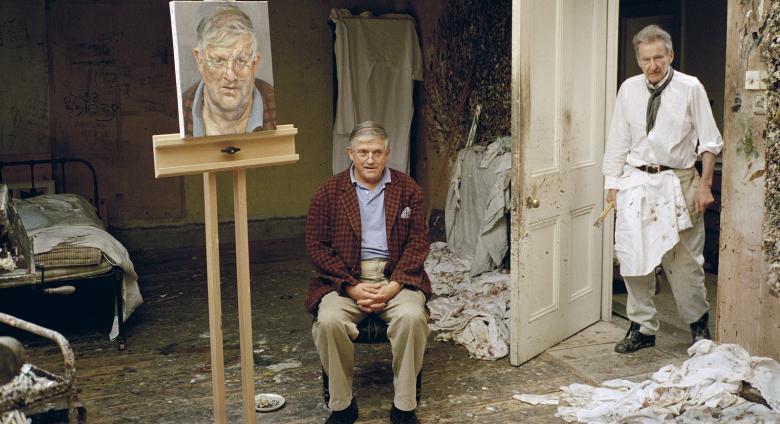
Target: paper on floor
(548,399)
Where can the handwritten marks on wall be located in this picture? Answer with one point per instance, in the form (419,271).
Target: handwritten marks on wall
(90,104)
(113,87)
(85,66)
(24,102)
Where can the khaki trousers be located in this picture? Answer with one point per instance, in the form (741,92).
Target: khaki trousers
(336,327)
(683,267)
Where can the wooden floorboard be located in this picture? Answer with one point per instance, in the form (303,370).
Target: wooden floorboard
(164,374)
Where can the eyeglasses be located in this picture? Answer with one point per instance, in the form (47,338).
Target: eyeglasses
(376,154)
(241,66)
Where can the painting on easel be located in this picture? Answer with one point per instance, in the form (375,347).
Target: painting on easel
(224,76)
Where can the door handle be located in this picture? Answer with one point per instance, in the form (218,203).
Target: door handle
(531,202)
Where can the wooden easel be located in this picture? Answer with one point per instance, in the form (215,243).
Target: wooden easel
(174,156)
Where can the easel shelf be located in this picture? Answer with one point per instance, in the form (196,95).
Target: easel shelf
(175,156)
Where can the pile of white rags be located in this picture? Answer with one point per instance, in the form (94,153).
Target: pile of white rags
(704,389)
(471,311)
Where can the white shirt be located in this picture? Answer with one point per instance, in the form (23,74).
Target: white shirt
(684,117)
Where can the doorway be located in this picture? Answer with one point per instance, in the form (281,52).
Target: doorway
(698,31)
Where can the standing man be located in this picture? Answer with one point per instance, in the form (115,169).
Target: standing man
(660,117)
(367,237)
(228,99)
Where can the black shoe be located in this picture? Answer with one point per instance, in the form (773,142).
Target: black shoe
(398,416)
(634,340)
(700,330)
(345,416)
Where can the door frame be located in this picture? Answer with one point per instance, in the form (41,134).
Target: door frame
(613,36)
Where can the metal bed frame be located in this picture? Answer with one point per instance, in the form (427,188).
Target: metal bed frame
(62,386)
(115,274)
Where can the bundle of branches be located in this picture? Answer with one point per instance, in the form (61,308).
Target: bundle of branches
(468,63)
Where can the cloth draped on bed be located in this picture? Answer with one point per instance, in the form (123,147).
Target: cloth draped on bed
(68,220)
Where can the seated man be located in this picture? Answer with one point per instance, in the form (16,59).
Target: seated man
(367,237)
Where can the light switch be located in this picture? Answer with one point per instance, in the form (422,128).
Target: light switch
(754,80)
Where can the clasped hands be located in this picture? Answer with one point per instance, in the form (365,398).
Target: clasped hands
(373,297)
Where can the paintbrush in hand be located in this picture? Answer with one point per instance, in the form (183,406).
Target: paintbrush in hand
(604,214)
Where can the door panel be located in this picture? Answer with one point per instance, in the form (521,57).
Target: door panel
(545,277)
(559,75)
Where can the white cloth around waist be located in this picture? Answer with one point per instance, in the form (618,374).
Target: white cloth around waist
(651,211)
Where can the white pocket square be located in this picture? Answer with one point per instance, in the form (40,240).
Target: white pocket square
(406,213)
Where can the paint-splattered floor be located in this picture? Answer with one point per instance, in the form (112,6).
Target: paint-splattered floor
(163,375)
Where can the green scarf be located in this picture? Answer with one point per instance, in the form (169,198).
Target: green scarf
(654,102)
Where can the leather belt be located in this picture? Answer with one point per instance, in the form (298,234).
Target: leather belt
(653,169)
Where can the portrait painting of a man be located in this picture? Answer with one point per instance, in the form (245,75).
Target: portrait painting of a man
(223,67)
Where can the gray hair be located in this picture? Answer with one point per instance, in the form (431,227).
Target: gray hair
(224,25)
(652,33)
(368,129)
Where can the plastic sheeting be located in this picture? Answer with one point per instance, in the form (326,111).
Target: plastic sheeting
(69,220)
(704,389)
(477,202)
(471,311)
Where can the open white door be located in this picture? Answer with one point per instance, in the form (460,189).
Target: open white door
(560,68)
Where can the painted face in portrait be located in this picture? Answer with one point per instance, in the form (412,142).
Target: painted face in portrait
(370,158)
(228,73)
(654,60)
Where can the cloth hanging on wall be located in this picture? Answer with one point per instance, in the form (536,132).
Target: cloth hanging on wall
(478,200)
(377,59)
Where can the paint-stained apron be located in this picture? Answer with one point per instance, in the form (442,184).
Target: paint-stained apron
(651,211)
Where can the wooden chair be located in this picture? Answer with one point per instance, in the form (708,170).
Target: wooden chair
(371,330)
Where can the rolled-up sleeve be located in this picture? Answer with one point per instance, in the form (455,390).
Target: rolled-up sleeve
(618,144)
(710,139)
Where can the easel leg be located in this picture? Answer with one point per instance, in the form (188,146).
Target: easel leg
(244,295)
(215,298)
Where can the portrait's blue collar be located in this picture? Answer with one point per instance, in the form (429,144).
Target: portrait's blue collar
(255,115)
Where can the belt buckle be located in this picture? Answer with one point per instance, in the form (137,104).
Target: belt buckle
(653,169)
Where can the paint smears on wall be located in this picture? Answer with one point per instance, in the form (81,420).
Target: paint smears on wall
(771,51)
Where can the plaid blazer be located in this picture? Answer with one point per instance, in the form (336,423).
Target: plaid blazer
(333,236)
(266,92)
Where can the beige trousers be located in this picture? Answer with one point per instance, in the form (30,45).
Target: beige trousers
(683,267)
(336,327)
